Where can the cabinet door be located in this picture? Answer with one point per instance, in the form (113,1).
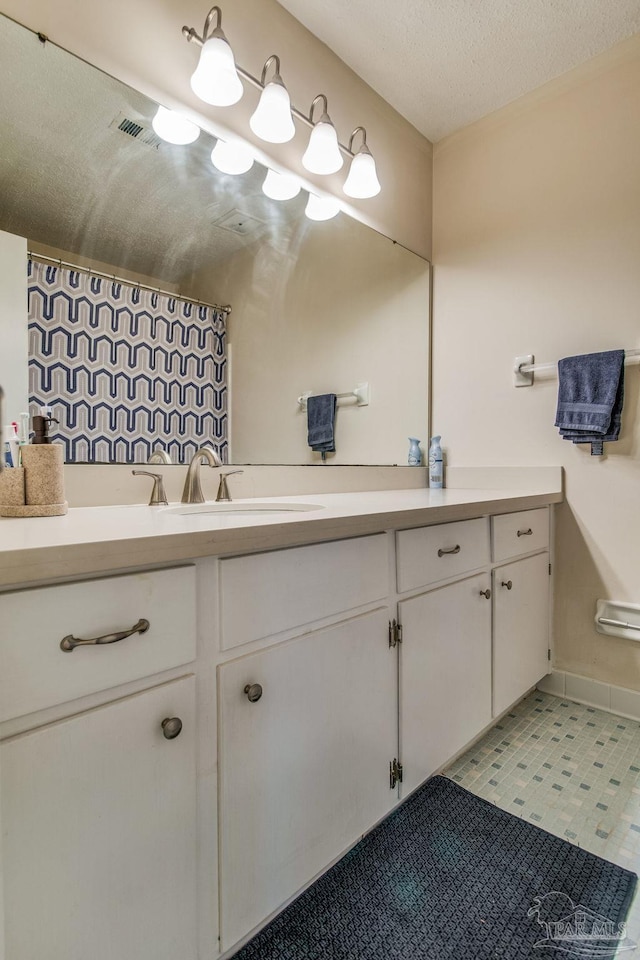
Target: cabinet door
(445,675)
(98,821)
(521,628)
(304,770)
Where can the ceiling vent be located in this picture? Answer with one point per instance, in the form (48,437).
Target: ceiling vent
(241,223)
(138,130)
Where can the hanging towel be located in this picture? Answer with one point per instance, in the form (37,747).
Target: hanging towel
(321,417)
(590,398)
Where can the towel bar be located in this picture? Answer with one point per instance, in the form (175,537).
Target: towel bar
(360,394)
(524,367)
(611,619)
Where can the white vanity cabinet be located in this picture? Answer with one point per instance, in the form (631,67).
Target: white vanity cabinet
(445,674)
(98,822)
(307,731)
(521,628)
(98,793)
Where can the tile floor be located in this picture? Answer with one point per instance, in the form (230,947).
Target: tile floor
(570,769)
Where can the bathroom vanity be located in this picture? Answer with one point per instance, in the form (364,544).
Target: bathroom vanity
(162,795)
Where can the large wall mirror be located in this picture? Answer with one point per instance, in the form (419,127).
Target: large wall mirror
(316,307)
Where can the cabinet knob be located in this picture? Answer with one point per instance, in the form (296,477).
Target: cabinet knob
(507,583)
(486,593)
(253,692)
(171,727)
(525,533)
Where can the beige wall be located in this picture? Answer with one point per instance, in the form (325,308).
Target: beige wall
(537,250)
(336,305)
(140,43)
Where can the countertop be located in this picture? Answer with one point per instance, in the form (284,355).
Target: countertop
(91,540)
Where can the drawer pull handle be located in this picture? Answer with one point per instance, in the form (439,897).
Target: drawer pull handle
(69,643)
(456,549)
(171,727)
(486,593)
(253,692)
(507,583)
(525,533)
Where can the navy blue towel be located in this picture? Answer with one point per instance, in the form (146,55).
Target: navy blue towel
(321,417)
(590,398)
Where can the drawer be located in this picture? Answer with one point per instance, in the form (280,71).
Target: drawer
(268,593)
(36,673)
(430,554)
(518,533)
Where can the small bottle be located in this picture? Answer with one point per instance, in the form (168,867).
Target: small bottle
(435,464)
(415,453)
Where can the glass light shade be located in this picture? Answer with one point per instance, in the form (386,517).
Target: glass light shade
(174,128)
(231,156)
(272,120)
(323,153)
(321,208)
(280,186)
(216,79)
(362,181)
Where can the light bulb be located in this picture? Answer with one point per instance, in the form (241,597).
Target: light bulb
(280,186)
(216,79)
(362,181)
(272,120)
(232,156)
(321,208)
(174,128)
(323,153)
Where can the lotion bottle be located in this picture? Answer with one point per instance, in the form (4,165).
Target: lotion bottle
(435,464)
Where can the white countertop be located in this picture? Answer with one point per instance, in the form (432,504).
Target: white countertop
(92,540)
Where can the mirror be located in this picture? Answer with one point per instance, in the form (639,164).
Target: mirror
(316,307)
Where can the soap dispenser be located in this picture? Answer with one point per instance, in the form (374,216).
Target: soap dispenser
(43,462)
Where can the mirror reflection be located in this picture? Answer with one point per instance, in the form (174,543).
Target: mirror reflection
(253,306)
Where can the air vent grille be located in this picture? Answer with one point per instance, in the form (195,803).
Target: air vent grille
(138,130)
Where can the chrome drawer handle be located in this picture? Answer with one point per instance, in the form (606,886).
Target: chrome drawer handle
(525,533)
(69,643)
(486,593)
(456,549)
(507,583)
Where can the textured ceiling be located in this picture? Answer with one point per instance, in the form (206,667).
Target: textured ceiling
(445,63)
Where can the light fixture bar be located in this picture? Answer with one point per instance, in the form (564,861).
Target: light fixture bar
(192,37)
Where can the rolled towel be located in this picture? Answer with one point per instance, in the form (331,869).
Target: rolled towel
(321,416)
(590,398)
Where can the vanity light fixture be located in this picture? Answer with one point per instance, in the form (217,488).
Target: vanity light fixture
(321,208)
(174,128)
(280,186)
(216,79)
(232,156)
(323,151)
(362,181)
(272,120)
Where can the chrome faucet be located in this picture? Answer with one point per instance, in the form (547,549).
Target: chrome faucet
(192,492)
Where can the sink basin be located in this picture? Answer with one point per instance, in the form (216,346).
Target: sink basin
(238,508)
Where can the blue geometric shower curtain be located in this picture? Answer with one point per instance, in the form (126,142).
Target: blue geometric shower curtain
(125,370)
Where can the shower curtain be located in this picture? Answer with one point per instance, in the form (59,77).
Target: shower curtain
(125,370)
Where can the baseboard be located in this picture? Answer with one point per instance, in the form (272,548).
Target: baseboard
(594,693)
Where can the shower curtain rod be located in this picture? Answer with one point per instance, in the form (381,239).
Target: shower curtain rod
(129,283)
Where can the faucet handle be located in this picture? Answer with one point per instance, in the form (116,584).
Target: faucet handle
(223,489)
(158,495)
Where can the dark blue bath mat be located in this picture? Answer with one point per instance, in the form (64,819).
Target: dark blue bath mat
(448,875)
